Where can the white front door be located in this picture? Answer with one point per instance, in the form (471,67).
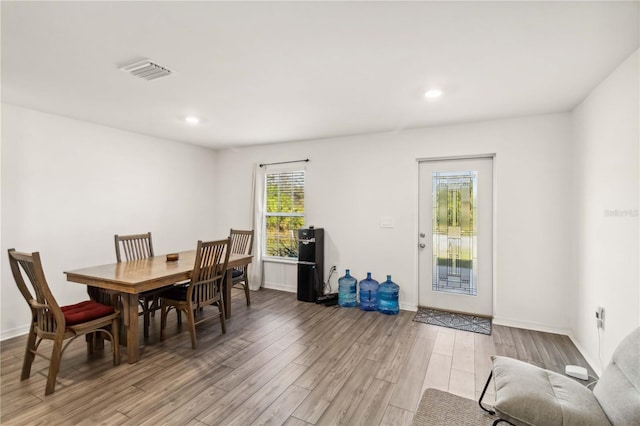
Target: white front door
(456,235)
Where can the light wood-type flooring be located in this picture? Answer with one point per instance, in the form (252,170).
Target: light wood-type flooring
(281,362)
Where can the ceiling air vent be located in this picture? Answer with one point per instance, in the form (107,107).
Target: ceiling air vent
(146,69)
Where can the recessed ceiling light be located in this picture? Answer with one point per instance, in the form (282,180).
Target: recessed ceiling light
(192,120)
(433,94)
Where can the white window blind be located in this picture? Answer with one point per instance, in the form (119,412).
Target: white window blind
(284,213)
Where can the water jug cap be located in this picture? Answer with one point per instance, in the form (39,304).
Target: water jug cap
(368,275)
(388,277)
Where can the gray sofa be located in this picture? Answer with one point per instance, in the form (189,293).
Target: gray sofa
(527,395)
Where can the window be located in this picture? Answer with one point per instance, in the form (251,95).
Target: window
(455,232)
(284,213)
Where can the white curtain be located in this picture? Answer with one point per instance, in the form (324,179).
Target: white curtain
(255,270)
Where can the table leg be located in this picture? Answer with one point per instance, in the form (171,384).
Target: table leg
(130,319)
(228,283)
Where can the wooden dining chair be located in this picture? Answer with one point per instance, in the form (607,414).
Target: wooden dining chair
(135,247)
(204,289)
(58,323)
(241,243)
(130,247)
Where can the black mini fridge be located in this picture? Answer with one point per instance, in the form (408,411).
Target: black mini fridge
(310,263)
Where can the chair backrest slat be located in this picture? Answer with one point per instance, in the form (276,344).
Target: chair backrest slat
(46,312)
(241,241)
(211,263)
(134,247)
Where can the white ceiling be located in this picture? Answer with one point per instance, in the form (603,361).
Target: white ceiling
(263,72)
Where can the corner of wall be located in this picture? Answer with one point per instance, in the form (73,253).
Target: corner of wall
(606,130)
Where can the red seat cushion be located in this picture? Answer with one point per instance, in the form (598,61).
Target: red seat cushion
(85,311)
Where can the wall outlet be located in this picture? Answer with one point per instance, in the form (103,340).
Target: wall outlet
(600,317)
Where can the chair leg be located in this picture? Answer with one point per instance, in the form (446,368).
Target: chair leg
(482,395)
(91,341)
(222,323)
(154,305)
(149,310)
(246,291)
(54,366)
(115,340)
(98,341)
(29,355)
(192,326)
(163,319)
(147,321)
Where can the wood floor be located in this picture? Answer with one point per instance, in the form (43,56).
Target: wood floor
(281,362)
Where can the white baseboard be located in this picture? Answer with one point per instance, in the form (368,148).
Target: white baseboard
(530,326)
(593,363)
(14,332)
(407,307)
(549,329)
(281,287)
(512,323)
(290,289)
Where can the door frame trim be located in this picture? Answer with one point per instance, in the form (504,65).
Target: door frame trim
(494,220)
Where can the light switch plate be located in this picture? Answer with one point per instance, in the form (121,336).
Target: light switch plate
(386,222)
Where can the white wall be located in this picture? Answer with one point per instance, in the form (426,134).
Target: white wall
(68,186)
(606,138)
(352,181)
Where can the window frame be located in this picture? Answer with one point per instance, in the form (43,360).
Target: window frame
(266,214)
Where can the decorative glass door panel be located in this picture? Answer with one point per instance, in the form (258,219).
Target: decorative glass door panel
(454,232)
(455,235)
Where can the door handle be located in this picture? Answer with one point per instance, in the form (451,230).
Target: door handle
(421,245)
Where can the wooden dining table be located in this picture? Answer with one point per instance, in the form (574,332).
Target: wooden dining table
(136,276)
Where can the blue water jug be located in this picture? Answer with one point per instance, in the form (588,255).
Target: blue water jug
(369,294)
(388,297)
(347,290)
